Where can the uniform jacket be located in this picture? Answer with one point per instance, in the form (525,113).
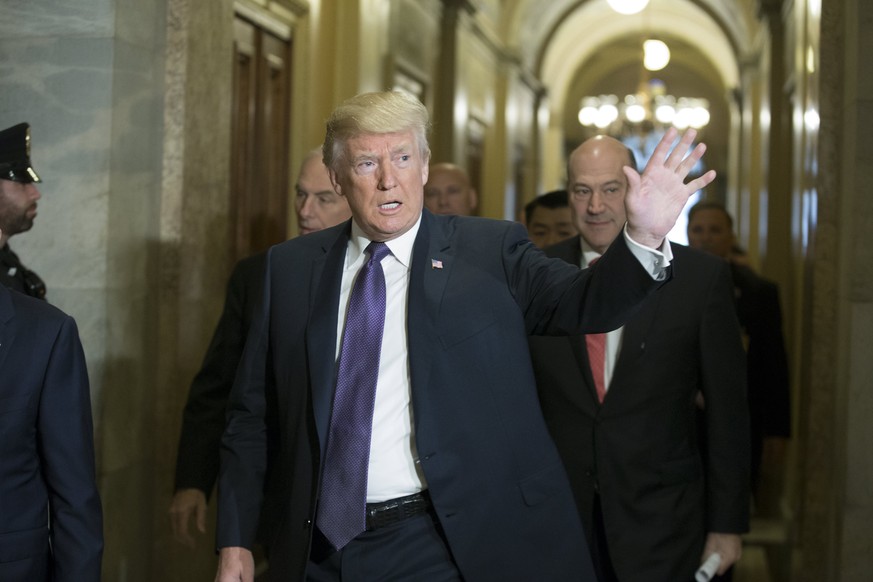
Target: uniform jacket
(641,448)
(50,515)
(494,475)
(16,276)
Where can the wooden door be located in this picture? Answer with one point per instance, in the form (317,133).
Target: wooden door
(261,129)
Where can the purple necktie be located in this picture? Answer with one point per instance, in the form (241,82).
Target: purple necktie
(343,499)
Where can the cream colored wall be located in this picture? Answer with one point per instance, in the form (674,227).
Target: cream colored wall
(834,212)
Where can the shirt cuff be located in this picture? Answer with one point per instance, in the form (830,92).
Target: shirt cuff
(655,261)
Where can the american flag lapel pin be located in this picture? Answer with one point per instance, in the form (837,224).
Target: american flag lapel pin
(436,264)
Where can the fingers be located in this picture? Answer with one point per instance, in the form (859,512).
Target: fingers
(663,148)
(201,517)
(683,157)
(187,504)
(679,155)
(728,546)
(179,520)
(701,182)
(633,179)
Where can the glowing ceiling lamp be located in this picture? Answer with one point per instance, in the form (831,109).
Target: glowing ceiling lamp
(627,6)
(656,54)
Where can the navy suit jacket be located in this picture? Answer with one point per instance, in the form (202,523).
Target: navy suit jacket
(495,478)
(50,516)
(641,449)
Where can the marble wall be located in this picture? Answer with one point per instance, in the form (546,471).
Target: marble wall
(120,240)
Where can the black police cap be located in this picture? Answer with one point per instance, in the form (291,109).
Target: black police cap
(15,155)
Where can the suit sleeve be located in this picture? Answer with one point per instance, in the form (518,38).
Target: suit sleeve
(204,416)
(66,449)
(560,299)
(768,365)
(243,450)
(726,414)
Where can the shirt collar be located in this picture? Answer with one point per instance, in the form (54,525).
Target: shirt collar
(400,247)
(588,255)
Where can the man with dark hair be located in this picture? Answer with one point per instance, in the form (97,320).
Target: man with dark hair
(548,219)
(385,408)
(710,228)
(621,406)
(18,197)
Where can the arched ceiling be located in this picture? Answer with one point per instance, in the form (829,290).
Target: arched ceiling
(591,31)
(582,47)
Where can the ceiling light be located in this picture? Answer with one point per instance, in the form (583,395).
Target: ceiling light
(656,55)
(627,6)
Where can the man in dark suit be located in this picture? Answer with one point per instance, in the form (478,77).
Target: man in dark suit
(624,418)
(50,517)
(317,207)
(458,477)
(711,229)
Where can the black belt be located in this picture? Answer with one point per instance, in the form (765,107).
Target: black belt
(397,509)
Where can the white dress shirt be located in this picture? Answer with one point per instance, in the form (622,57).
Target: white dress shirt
(394,470)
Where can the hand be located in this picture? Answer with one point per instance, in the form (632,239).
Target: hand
(655,200)
(728,546)
(235,565)
(187,503)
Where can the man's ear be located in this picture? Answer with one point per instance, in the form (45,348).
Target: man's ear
(474,199)
(334,182)
(425,170)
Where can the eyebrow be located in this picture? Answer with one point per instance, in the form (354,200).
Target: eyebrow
(403,148)
(300,188)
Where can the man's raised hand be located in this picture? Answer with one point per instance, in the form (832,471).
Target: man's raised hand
(655,200)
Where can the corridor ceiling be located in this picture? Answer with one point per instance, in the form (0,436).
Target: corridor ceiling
(583,47)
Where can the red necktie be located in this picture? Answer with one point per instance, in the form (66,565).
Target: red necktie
(596,344)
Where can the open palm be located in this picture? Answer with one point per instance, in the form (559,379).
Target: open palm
(656,198)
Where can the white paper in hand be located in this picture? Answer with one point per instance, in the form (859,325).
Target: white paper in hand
(708,569)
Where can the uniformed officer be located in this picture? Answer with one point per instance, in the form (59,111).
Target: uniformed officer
(18,197)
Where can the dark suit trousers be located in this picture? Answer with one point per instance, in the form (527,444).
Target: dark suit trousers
(412,549)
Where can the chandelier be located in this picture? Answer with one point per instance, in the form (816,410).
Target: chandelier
(648,109)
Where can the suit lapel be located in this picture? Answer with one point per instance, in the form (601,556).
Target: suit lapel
(326,279)
(633,341)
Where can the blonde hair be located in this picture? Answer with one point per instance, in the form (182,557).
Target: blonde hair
(375,113)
